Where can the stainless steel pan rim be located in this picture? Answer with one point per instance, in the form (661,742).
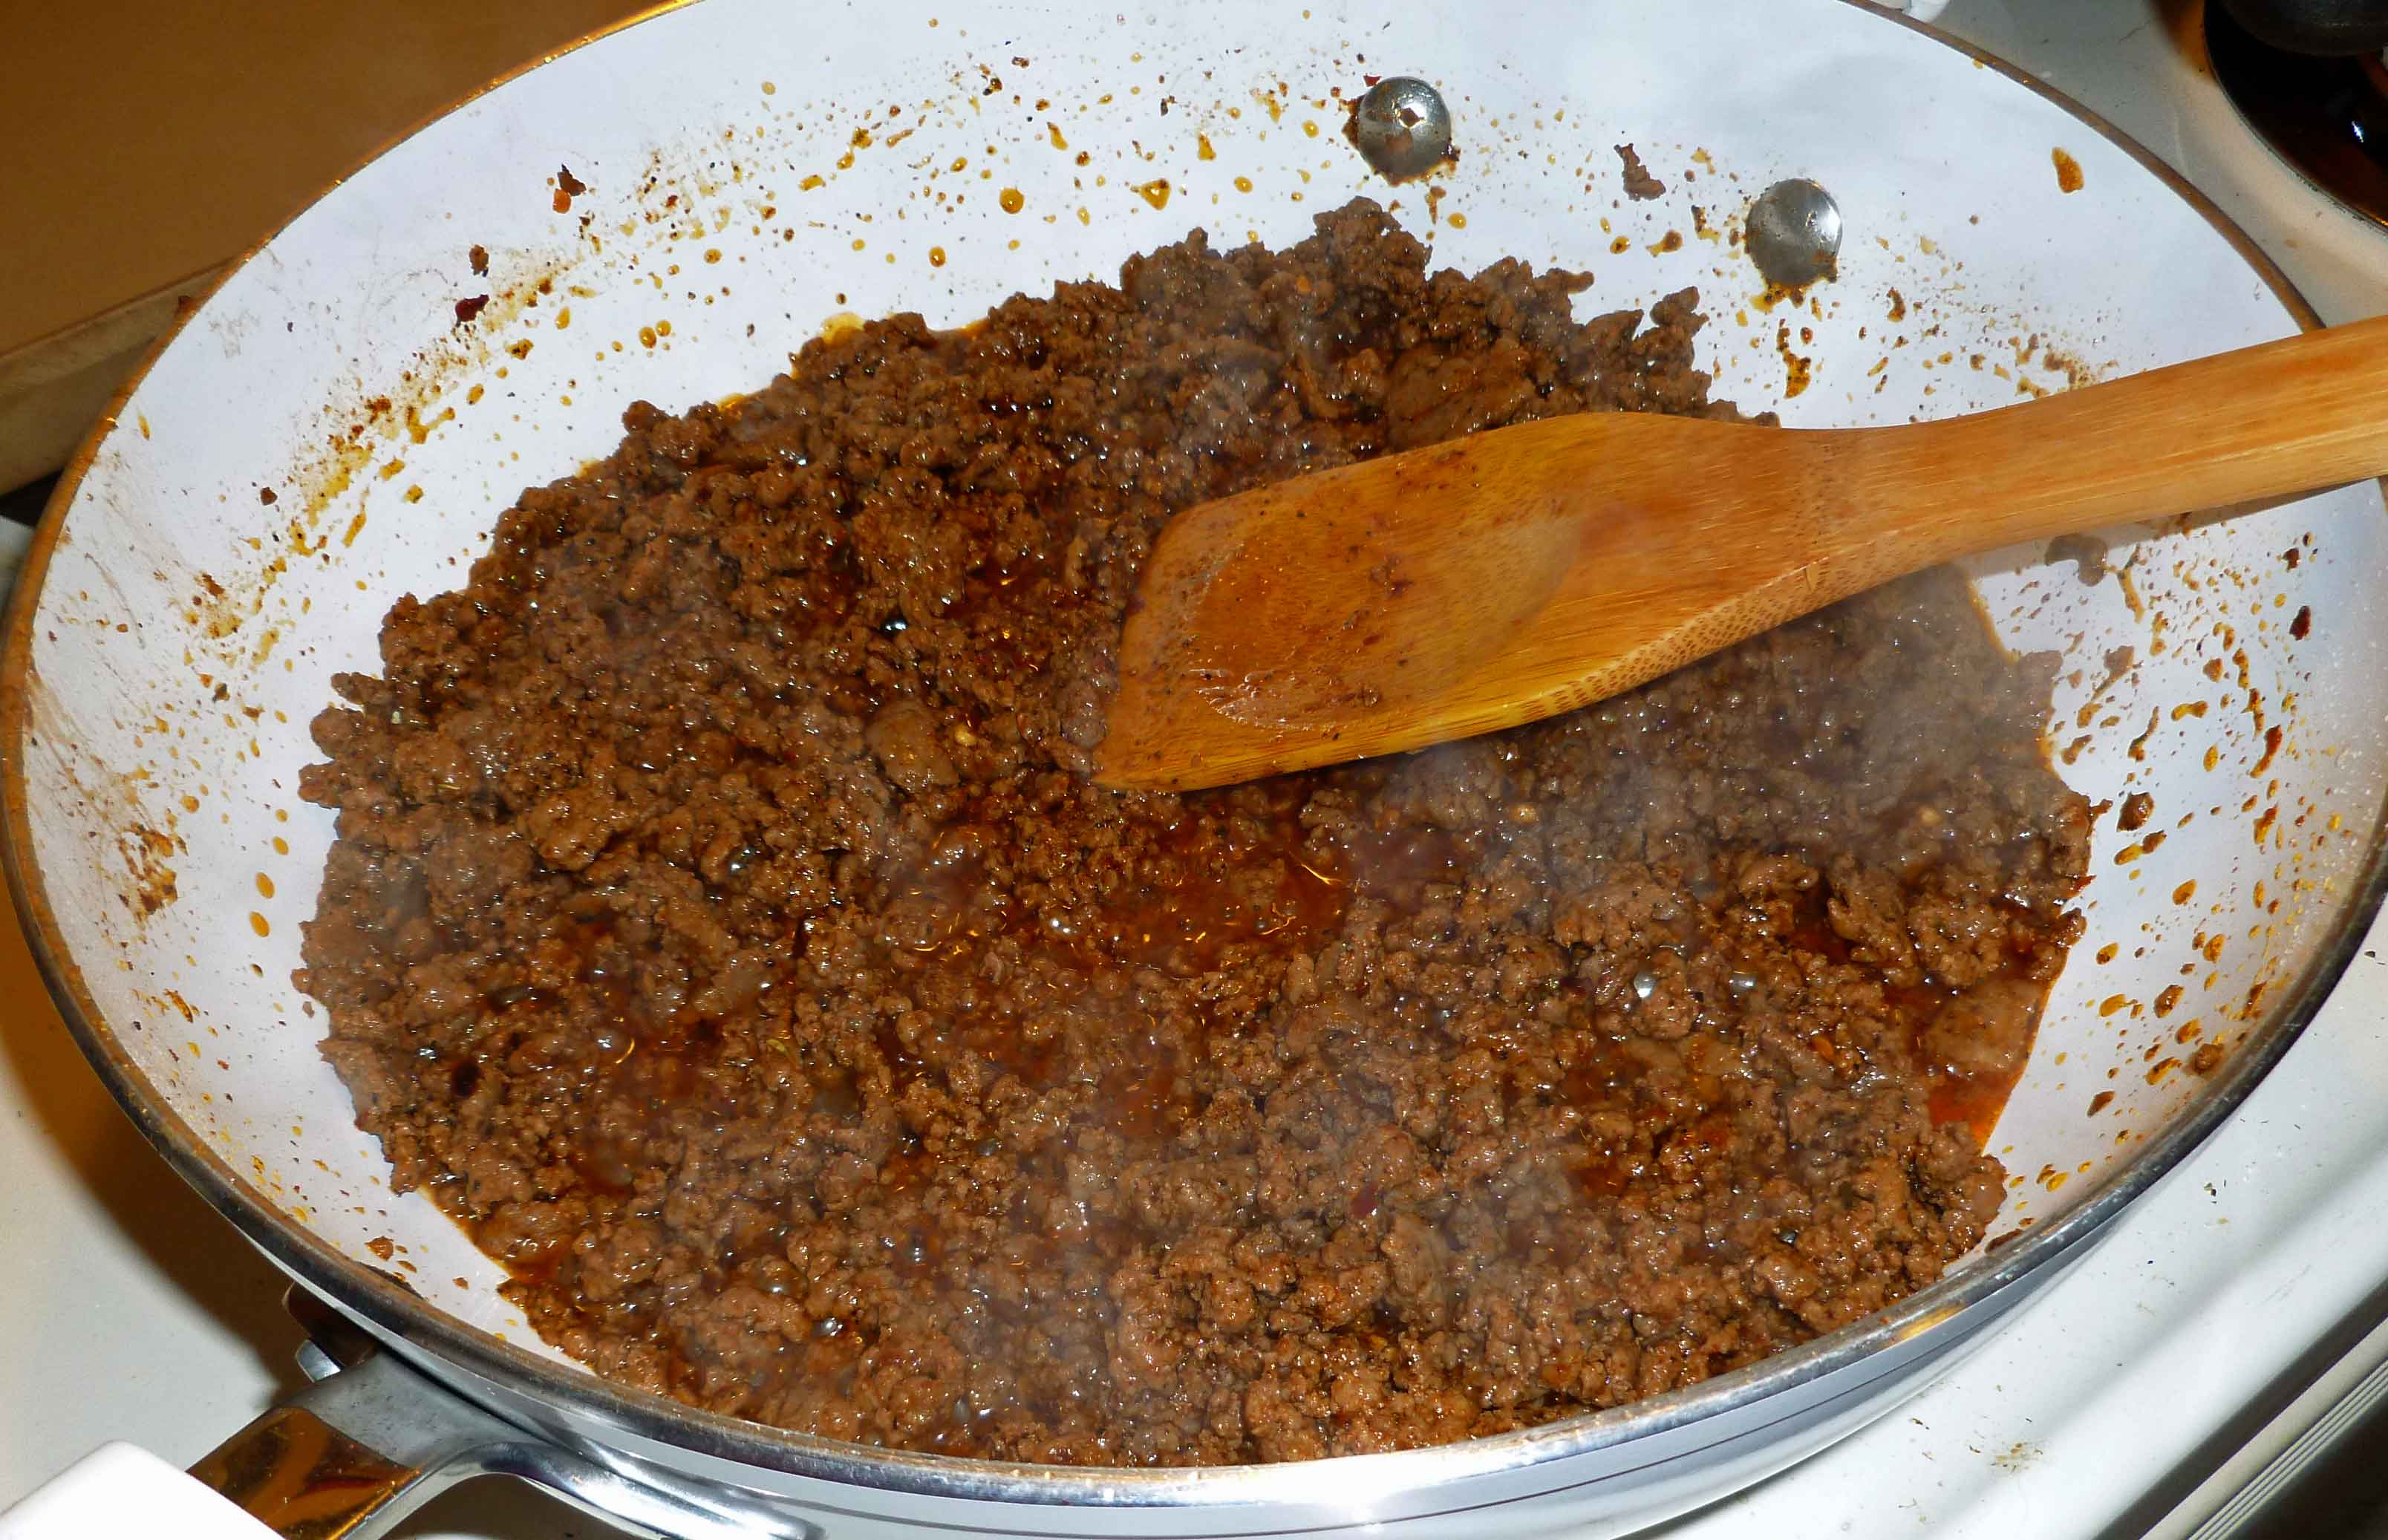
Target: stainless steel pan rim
(386,1305)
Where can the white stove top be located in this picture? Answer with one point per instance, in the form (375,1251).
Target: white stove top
(131,1311)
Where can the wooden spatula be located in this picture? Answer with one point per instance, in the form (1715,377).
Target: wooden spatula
(1521,572)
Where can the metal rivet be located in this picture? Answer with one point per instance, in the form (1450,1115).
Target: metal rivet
(1645,983)
(1402,127)
(1794,234)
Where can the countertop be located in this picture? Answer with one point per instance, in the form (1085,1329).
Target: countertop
(147,142)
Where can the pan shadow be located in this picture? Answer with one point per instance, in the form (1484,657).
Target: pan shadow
(492,1508)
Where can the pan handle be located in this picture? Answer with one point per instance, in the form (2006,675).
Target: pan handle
(346,1458)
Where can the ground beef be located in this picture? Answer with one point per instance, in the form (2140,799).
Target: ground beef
(1640,186)
(721,921)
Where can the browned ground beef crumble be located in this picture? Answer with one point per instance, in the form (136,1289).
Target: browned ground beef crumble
(722,923)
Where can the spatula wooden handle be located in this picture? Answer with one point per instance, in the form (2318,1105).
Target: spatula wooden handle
(2290,417)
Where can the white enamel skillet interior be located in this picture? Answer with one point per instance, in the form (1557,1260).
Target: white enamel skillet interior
(664,212)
